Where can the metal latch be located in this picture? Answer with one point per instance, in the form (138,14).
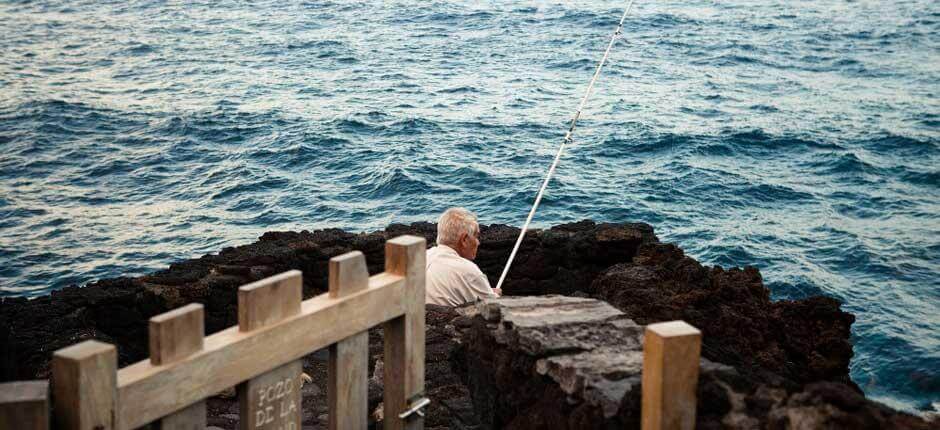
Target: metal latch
(416,408)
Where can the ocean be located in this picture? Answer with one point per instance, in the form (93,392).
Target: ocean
(800,137)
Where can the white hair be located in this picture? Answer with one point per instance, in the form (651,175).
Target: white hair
(455,222)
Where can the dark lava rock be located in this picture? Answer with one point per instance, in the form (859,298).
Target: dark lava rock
(803,341)
(622,263)
(561,260)
(555,362)
(552,362)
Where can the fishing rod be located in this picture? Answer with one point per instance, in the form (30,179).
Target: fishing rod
(561,148)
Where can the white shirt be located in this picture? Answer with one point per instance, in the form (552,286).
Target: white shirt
(453,280)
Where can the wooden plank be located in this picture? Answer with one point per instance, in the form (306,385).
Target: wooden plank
(273,299)
(404,336)
(349,358)
(395,393)
(348,388)
(270,300)
(84,385)
(671,352)
(270,401)
(348,274)
(24,405)
(174,336)
(192,417)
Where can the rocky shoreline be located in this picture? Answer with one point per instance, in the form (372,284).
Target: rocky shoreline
(800,348)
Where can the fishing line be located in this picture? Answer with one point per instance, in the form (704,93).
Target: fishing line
(561,148)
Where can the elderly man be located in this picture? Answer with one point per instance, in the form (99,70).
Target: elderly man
(452,278)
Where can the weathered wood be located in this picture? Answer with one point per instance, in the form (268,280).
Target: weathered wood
(84,384)
(174,336)
(270,401)
(404,336)
(348,274)
(348,388)
(396,393)
(349,358)
(272,299)
(671,353)
(24,405)
(192,417)
(148,392)
(269,301)
(274,332)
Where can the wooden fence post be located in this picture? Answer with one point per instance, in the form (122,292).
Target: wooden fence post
(404,336)
(349,358)
(271,401)
(670,375)
(174,336)
(24,405)
(85,386)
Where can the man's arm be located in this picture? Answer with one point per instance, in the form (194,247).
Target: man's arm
(481,286)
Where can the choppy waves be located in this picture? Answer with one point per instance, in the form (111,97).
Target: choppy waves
(800,138)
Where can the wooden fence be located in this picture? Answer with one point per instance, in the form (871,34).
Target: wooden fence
(262,358)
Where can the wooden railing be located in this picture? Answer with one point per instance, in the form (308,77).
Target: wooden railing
(671,355)
(261,356)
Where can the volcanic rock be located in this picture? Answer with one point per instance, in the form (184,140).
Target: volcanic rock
(798,342)
(803,341)
(555,362)
(561,260)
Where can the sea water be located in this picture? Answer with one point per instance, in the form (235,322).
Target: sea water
(801,137)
